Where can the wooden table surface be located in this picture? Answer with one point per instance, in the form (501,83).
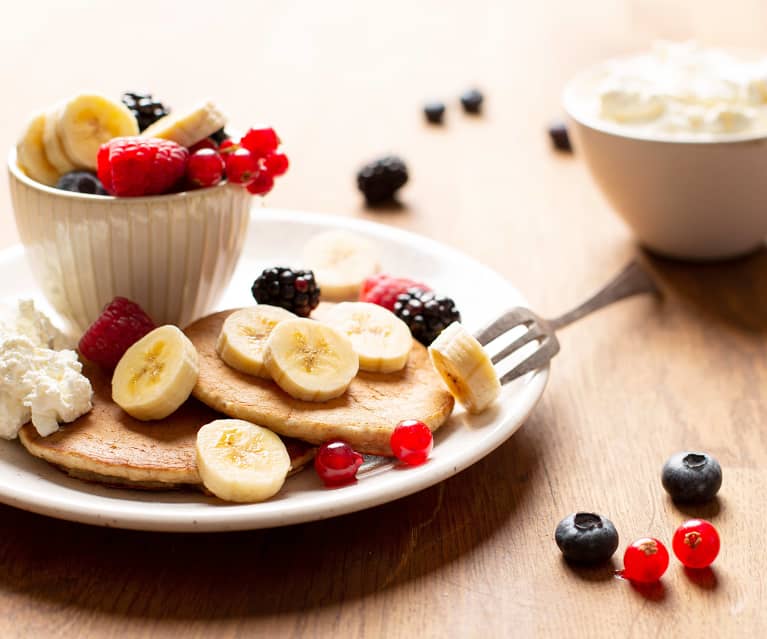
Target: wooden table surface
(473,556)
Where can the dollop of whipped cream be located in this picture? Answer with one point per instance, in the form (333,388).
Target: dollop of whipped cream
(40,376)
(685,88)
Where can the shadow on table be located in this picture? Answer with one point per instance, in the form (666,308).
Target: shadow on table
(733,292)
(263,573)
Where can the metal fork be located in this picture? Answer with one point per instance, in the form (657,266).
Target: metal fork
(632,280)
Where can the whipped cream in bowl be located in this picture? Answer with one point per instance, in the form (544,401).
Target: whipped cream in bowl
(676,139)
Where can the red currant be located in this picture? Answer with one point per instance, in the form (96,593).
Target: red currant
(241,167)
(696,543)
(645,560)
(262,184)
(205,168)
(276,164)
(228,146)
(337,463)
(260,140)
(411,442)
(205,143)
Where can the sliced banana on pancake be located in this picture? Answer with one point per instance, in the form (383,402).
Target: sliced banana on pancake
(465,368)
(309,360)
(241,462)
(382,340)
(242,341)
(341,261)
(156,375)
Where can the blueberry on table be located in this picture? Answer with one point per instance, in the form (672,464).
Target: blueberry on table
(434,112)
(560,139)
(586,538)
(81,182)
(471,101)
(692,477)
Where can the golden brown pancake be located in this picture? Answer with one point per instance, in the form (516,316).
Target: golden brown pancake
(108,446)
(364,416)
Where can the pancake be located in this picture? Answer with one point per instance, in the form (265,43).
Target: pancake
(108,446)
(364,416)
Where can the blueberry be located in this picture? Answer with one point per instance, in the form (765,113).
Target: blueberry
(559,137)
(586,538)
(81,182)
(692,477)
(434,112)
(472,101)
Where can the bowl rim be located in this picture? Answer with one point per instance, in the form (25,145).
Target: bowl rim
(16,171)
(569,103)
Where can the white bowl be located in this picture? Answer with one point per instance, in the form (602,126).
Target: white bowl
(683,197)
(172,254)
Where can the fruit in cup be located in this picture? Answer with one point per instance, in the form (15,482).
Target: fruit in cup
(692,477)
(242,166)
(205,168)
(81,182)
(337,463)
(645,560)
(188,127)
(144,108)
(412,442)
(696,543)
(585,537)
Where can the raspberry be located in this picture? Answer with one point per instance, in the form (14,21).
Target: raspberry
(135,166)
(205,168)
(384,289)
(121,324)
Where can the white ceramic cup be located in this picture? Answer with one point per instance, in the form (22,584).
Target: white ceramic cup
(683,198)
(172,254)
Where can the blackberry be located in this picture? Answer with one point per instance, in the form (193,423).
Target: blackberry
(81,182)
(586,538)
(472,101)
(380,180)
(219,136)
(559,136)
(291,289)
(434,112)
(426,313)
(144,107)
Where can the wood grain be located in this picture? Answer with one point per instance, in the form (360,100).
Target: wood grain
(474,556)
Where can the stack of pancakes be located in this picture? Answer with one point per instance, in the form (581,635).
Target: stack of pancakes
(108,446)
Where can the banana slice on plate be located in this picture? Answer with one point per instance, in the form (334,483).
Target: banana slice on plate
(30,153)
(239,461)
(341,261)
(188,127)
(242,341)
(309,360)
(54,147)
(465,368)
(382,340)
(87,121)
(156,375)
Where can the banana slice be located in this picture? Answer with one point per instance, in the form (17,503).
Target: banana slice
(30,153)
(188,127)
(465,368)
(156,375)
(382,340)
(309,360)
(87,121)
(341,261)
(54,148)
(239,461)
(242,341)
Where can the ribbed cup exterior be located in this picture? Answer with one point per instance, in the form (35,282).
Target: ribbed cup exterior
(172,254)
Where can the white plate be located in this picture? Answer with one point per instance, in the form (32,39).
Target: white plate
(276,237)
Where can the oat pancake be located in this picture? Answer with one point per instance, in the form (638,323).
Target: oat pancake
(364,416)
(108,446)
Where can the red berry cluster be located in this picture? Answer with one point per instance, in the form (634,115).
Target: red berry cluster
(253,161)
(136,166)
(337,463)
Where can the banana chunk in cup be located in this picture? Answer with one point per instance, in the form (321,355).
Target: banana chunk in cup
(156,375)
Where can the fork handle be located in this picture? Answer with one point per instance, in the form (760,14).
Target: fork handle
(632,280)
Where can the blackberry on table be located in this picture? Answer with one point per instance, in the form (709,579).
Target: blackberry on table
(291,289)
(380,180)
(144,107)
(426,313)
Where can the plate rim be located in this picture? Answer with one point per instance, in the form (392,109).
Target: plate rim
(223,517)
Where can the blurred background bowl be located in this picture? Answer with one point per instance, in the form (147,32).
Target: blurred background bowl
(172,254)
